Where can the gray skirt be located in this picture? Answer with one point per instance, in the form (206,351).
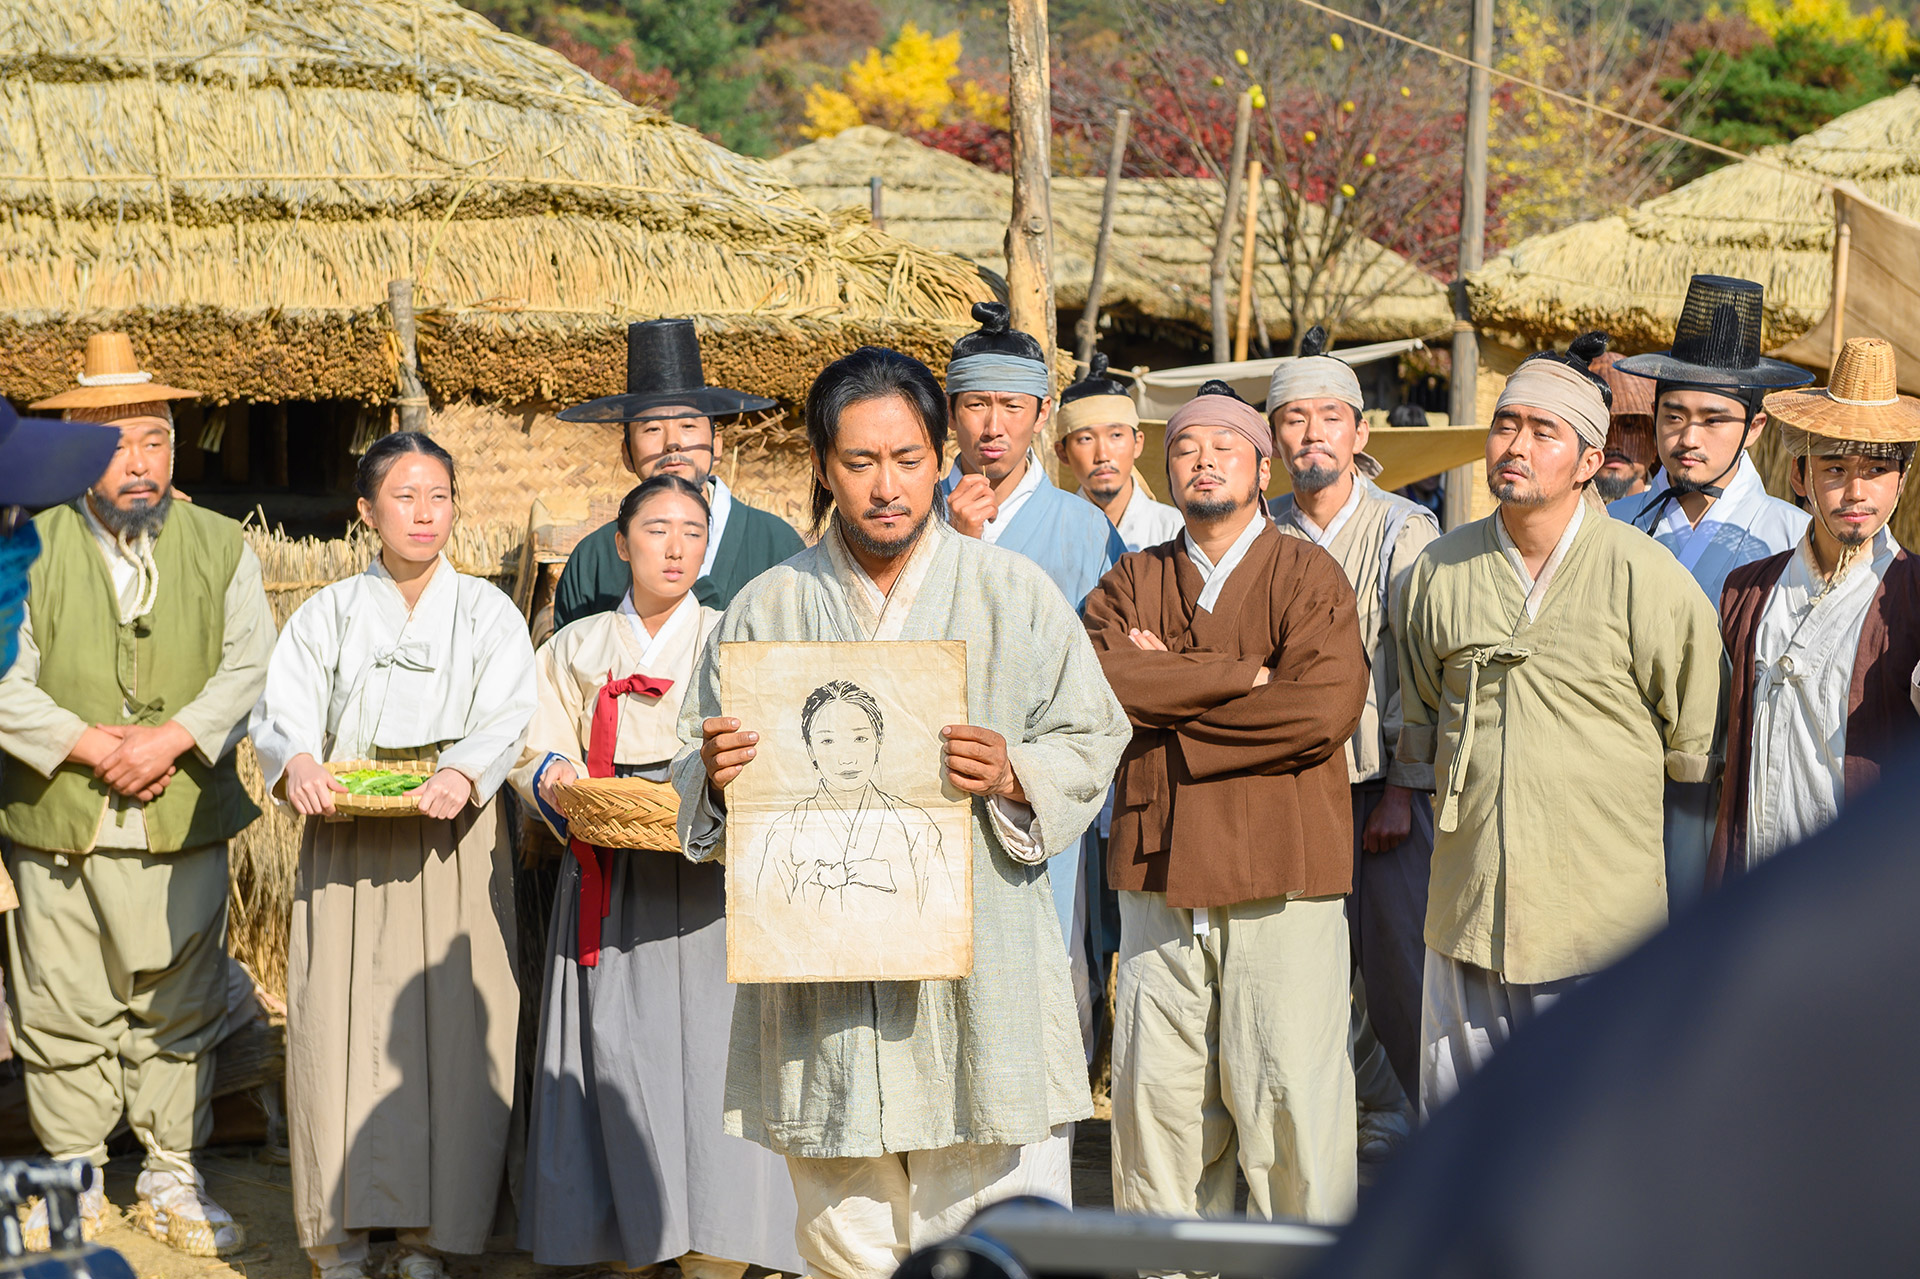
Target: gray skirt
(626,1160)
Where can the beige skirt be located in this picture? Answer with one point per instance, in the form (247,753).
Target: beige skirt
(401,1023)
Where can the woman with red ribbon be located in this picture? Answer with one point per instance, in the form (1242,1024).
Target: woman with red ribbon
(626,1161)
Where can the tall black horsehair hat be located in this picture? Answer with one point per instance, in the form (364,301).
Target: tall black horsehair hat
(1717,342)
(663,376)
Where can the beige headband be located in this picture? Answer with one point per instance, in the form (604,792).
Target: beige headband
(1096,410)
(1552,387)
(1313,377)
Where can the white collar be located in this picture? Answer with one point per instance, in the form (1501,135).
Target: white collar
(719,507)
(1536,587)
(883,615)
(1029,484)
(1340,517)
(685,613)
(1213,577)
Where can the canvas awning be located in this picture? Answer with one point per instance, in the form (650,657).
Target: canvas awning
(1882,292)
(1161,391)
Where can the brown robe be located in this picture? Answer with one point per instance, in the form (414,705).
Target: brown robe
(1880,714)
(1229,793)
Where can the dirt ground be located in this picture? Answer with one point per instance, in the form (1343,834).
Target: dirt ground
(258,1195)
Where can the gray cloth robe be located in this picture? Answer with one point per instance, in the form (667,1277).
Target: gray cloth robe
(859,1069)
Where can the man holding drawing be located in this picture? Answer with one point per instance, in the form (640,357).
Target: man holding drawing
(904,1106)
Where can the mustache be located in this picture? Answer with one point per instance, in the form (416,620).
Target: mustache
(1514,464)
(136,486)
(892,508)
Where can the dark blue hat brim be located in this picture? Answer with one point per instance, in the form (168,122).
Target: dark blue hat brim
(1768,374)
(44,462)
(710,401)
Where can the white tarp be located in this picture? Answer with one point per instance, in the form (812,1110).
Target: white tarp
(1162,391)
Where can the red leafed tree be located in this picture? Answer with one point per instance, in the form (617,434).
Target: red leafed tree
(616,68)
(1359,137)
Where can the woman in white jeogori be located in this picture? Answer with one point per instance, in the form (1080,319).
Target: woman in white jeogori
(626,1159)
(402,1002)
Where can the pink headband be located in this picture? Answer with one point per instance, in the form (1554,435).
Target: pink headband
(1237,416)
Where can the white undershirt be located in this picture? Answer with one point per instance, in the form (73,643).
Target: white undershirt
(1338,522)
(719,506)
(1804,651)
(1213,577)
(1536,588)
(1029,483)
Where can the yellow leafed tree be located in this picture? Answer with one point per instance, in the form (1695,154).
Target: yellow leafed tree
(1836,20)
(911,87)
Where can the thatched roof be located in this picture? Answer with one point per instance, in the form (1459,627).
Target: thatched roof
(1628,274)
(236,181)
(1162,243)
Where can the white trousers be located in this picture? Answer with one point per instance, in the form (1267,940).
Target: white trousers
(859,1218)
(1230,1045)
(1466,1013)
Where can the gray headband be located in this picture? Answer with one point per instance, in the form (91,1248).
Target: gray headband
(992,371)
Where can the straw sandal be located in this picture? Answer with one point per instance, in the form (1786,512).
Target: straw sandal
(93,1219)
(179,1213)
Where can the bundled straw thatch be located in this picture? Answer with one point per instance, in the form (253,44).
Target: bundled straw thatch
(1162,242)
(1628,274)
(236,181)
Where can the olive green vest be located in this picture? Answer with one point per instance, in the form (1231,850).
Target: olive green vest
(138,673)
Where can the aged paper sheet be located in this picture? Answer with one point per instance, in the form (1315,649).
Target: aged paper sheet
(849,857)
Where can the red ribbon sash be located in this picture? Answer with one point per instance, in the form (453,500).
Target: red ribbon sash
(596,885)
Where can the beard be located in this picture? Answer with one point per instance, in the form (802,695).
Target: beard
(1517,492)
(885,548)
(1858,536)
(1314,478)
(134,522)
(1106,487)
(1612,488)
(1211,508)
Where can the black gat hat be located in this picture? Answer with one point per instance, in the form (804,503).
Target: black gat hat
(663,379)
(1717,341)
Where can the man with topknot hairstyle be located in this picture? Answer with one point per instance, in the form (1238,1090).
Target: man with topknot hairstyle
(1557,667)
(999,395)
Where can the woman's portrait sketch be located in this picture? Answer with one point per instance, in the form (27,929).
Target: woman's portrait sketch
(849,857)
(849,837)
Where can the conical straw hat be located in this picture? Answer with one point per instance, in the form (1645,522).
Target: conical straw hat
(112,376)
(1861,400)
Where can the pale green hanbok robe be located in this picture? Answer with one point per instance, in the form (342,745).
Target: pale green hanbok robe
(860,1069)
(1552,713)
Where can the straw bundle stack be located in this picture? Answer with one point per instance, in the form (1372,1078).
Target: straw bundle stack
(236,181)
(1163,234)
(1628,274)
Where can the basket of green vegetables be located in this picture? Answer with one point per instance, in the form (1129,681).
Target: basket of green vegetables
(379,787)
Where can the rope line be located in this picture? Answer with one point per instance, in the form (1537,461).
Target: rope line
(1537,87)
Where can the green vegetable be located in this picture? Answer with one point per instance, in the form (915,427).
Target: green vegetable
(373,781)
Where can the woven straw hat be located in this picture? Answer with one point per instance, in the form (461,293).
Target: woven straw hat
(1861,400)
(112,376)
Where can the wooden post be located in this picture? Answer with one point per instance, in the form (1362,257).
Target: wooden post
(874,188)
(1223,238)
(1088,330)
(412,398)
(1248,242)
(1030,228)
(1462,406)
(1842,252)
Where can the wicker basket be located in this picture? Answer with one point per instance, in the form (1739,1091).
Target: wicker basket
(379,805)
(621,812)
